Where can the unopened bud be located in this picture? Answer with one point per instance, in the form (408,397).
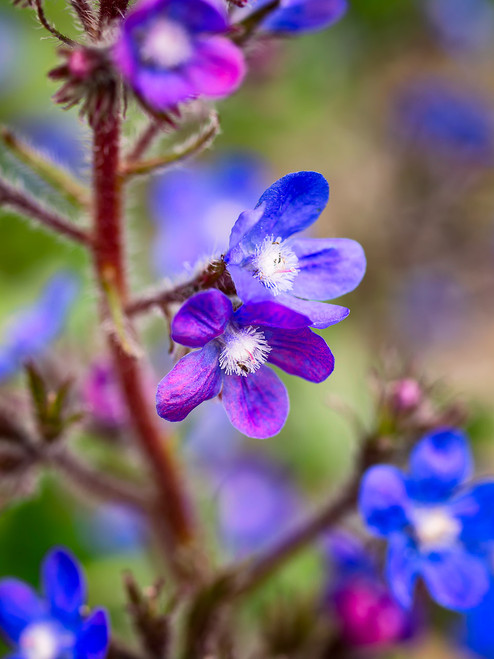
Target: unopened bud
(406,395)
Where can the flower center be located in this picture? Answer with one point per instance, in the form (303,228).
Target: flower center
(44,641)
(435,528)
(275,265)
(166,44)
(245,350)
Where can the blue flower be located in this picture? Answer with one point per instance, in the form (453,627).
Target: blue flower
(298,16)
(476,632)
(171,51)
(52,627)
(31,330)
(462,24)
(436,528)
(193,208)
(265,262)
(234,347)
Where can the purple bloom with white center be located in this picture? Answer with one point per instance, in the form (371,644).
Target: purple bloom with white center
(266,262)
(31,330)
(171,51)
(297,16)
(437,528)
(234,347)
(52,627)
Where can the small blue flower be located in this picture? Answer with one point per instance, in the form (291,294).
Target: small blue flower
(462,25)
(265,262)
(298,16)
(193,208)
(436,528)
(52,627)
(234,347)
(31,330)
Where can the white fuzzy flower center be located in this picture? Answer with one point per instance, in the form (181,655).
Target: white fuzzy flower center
(167,44)
(435,528)
(40,641)
(275,265)
(245,350)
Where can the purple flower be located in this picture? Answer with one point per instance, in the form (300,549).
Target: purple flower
(30,331)
(170,51)
(265,262)
(298,16)
(366,612)
(234,348)
(193,208)
(52,627)
(436,528)
(102,397)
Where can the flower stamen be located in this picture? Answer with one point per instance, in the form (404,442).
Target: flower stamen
(275,265)
(245,350)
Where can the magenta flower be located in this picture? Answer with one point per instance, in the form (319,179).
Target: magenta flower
(234,348)
(171,51)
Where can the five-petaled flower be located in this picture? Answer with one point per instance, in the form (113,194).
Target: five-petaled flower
(436,528)
(53,627)
(171,51)
(265,262)
(234,348)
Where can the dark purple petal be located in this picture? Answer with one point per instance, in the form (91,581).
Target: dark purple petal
(217,68)
(194,379)
(300,352)
(321,314)
(402,566)
(257,404)
(94,637)
(19,606)
(270,314)
(383,499)
(202,318)
(329,267)
(438,464)
(456,579)
(63,583)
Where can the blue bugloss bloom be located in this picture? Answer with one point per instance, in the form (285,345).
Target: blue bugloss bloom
(31,330)
(52,627)
(298,16)
(266,262)
(234,347)
(193,208)
(437,527)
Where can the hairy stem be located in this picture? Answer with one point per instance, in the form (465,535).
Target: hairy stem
(144,140)
(38,4)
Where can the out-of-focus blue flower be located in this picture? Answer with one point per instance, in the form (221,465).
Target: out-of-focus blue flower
(113,529)
(476,634)
(102,397)
(297,16)
(265,262)
(256,504)
(366,612)
(462,25)
(446,122)
(193,208)
(52,627)
(30,331)
(170,52)
(437,528)
(234,347)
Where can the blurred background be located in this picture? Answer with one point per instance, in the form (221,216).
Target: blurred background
(394,105)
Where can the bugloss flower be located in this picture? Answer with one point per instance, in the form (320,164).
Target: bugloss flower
(436,528)
(298,16)
(30,332)
(234,348)
(52,627)
(265,262)
(170,51)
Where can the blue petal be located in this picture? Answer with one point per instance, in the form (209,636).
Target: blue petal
(249,288)
(94,637)
(300,16)
(270,314)
(329,267)
(19,606)
(244,223)
(300,352)
(455,578)
(63,584)
(194,379)
(202,318)
(383,499)
(257,404)
(474,510)
(348,554)
(438,464)
(321,314)
(402,564)
(290,205)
